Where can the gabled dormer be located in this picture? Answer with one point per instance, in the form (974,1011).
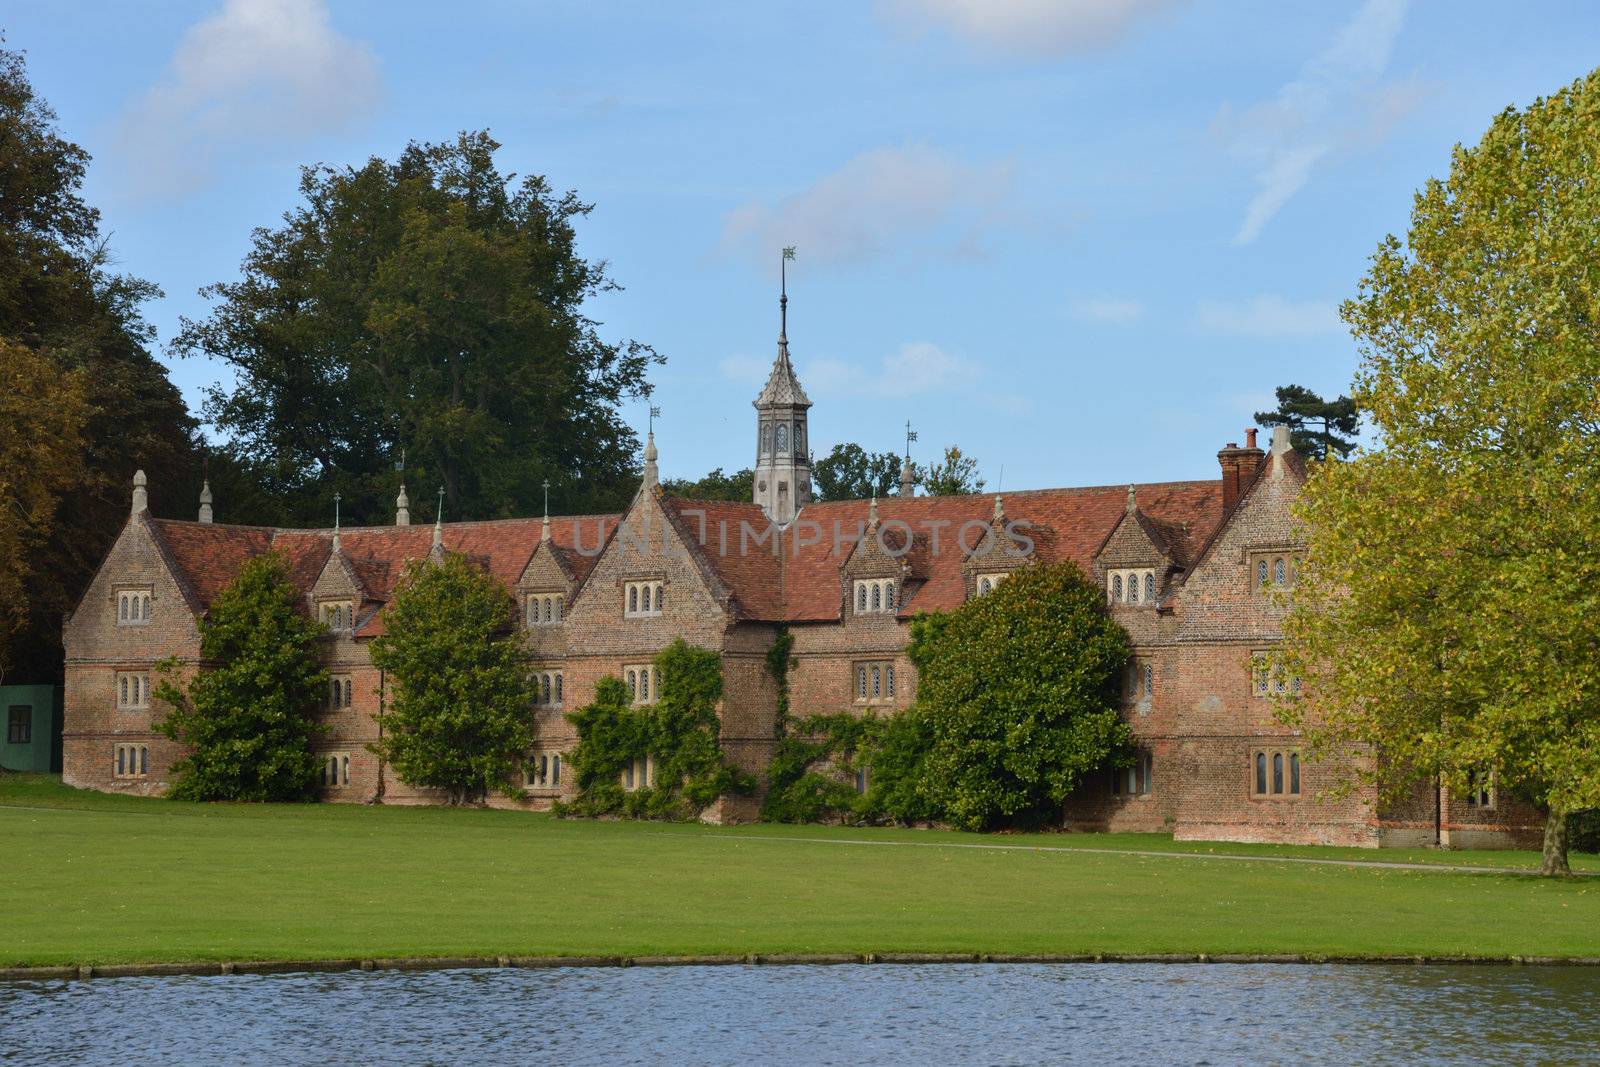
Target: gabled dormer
(884,568)
(996,556)
(1138,558)
(339,598)
(547,584)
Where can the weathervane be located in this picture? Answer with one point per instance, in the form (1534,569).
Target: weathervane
(655,413)
(439,515)
(547,498)
(911,435)
(783,292)
(400,465)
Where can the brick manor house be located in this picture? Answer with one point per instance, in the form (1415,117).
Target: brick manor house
(1186,567)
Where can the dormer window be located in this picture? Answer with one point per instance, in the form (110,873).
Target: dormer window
(875,596)
(643,599)
(643,682)
(338,615)
(1131,586)
(133,607)
(542,609)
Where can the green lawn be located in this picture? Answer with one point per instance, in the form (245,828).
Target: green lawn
(88,878)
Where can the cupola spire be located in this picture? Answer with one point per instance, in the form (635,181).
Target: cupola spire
(782,484)
(205,492)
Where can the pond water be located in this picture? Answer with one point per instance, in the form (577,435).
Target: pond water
(883,1013)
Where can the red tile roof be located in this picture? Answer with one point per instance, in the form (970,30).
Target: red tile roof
(794,578)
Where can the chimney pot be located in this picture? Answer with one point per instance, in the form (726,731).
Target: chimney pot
(1250,437)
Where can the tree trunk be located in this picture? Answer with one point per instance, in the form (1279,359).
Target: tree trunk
(1555,844)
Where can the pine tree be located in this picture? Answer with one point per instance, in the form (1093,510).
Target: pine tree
(1318,428)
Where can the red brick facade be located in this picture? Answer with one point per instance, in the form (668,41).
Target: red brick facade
(846,578)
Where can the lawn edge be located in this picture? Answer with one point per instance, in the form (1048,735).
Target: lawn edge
(441,963)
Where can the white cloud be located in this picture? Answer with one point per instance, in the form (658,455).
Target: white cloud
(1336,100)
(256,71)
(1026,27)
(1115,311)
(1268,318)
(880,201)
(915,367)
(745,369)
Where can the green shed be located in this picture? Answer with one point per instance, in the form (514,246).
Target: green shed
(30,716)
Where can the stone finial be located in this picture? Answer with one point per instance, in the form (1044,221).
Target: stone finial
(141,498)
(438,526)
(336,499)
(1133,500)
(544,529)
(908,478)
(999,509)
(652,477)
(872,508)
(205,500)
(1280,440)
(402,507)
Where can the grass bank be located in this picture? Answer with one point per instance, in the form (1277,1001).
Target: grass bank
(88,879)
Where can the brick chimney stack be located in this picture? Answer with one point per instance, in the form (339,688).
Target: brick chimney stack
(1239,466)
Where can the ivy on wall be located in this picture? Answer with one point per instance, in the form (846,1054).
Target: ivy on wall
(679,733)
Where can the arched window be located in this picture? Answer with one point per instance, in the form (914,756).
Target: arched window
(661,597)
(983,586)
(122,609)
(1261,772)
(633,684)
(644,599)
(644,686)
(1277,772)
(1149,680)
(888,596)
(799,438)
(633,598)
(558,688)
(766,437)
(122,691)
(1116,587)
(861,682)
(1133,588)
(1261,573)
(888,680)
(1294,773)
(349,692)
(1150,587)
(1279,573)
(344,770)
(877,596)
(783,437)
(555,770)
(877,682)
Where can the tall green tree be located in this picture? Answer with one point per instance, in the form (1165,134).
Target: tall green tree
(740,485)
(461,718)
(850,472)
(60,300)
(432,307)
(1318,428)
(1448,613)
(954,475)
(250,718)
(1019,691)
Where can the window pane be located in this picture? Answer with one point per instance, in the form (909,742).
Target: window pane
(1278,573)
(1294,773)
(877,596)
(1149,679)
(1116,587)
(877,682)
(633,598)
(888,596)
(861,682)
(1261,772)
(661,597)
(558,688)
(1149,587)
(889,680)
(1261,573)
(144,760)
(1277,772)
(861,597)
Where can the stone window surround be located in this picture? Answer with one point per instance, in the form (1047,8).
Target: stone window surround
(543,608)
(337,614)
(874,596)
(1265,684)
(133,605)
(335,770)
(1139,680)
(131,761)
(548,685)
(639,774)
(542,771)
(1134,781)
(872,681)
(1131,586)
(637,592)
(133,690)
(643,681)
(1279,770)
(1483,791)
(1272,567)
(984,584)
(341,691)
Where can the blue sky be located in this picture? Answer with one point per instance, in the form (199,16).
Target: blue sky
(1084,239)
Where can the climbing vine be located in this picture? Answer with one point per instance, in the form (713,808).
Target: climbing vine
(678,736)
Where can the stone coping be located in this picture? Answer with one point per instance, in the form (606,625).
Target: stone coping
(440,963)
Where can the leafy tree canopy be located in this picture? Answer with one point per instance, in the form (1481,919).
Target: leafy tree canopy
(430,308)
(249,720)
(1318,428)
(850,472)
(740,486)
(955,475)
(460,718)
(1019,691)
(1447,611)
(59,300)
